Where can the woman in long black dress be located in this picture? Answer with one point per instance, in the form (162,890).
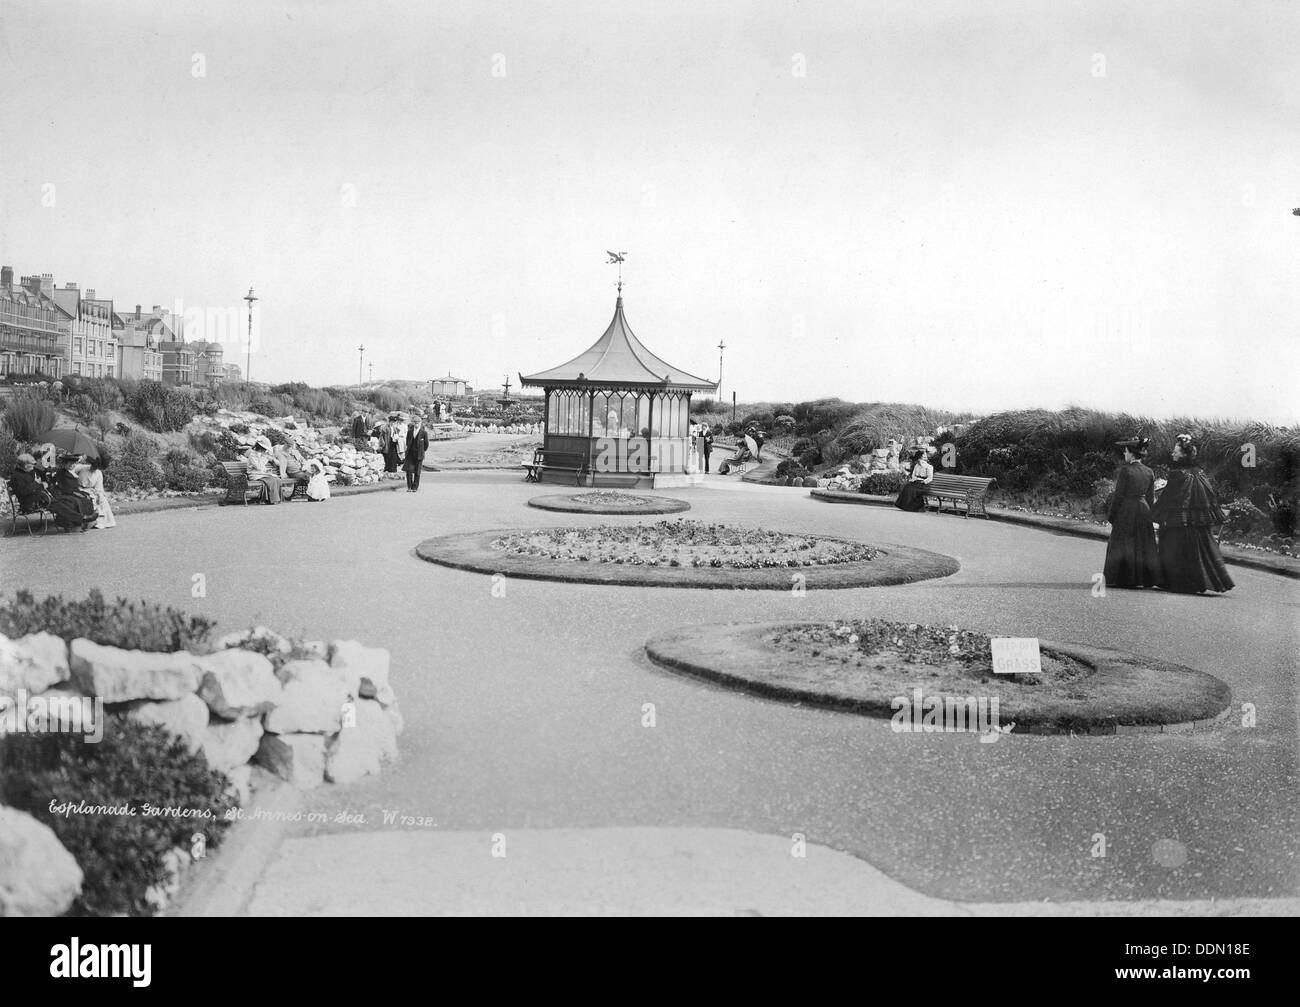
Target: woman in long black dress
(919,475)
(1132,559)
(1186,512)
(71,504)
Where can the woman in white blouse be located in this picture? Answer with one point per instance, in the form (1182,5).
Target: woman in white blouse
(919,475)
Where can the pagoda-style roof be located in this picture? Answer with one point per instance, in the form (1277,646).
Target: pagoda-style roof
(618,360)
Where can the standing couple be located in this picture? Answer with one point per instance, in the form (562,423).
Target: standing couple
(1187,558)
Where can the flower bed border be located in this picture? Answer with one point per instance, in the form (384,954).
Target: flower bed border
(896,564)
(568,503)
(727,655)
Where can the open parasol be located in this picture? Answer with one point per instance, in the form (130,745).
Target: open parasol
(71,441)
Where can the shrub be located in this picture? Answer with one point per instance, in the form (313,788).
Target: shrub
(275,436)
(239,428)
(28,416)
(121,856)
(82,407)
(387,399)
(790,467)
(270,405)
(1282,512)
(784,424)
(1243,517)
(135,469)
(342,479)
(129,625)
(180,472)
(883,483)
(121,429)
(8,452)
(102,423)
(159,406)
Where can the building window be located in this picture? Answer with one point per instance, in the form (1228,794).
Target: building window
(76,346)
(76,367)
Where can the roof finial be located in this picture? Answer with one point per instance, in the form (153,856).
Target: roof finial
(617,257)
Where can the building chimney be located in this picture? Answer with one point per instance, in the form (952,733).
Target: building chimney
(90,294)
(7,277)
(70,285)
(157,311)
(137,312)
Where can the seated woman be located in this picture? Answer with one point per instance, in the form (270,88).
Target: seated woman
(71,505)
(919,474)
(28,487)
(291,465)
(262,468)
(92,481)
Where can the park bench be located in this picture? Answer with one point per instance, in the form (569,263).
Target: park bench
(15,512)
(240,490)
(970,490)
(559,461)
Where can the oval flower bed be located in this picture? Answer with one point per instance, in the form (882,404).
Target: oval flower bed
(683,543)
(608,502)
(680,553)
(889,669)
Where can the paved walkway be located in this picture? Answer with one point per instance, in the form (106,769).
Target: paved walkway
(525,717)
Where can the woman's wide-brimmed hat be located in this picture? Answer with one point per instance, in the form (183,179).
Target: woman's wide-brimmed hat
(25,459)
(68,456)
(1136,441)
(263,442)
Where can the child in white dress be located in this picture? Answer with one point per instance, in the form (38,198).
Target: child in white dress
(91,477)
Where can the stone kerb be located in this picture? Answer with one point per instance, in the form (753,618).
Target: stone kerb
(307,712)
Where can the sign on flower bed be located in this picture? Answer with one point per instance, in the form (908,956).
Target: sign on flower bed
(679,553)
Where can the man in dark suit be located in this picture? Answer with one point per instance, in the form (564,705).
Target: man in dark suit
(417,443)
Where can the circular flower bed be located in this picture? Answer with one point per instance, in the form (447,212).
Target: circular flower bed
(681,553)
(683,543)
(897,670)
(608,502)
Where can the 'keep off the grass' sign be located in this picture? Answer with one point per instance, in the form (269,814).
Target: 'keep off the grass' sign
(1016,656)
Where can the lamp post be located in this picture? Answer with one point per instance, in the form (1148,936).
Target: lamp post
(248,366)
(721,346)
(361,363)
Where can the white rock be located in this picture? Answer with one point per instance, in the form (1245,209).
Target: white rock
(38,877)
(238,683)
(229,744)
(367,665)
(363,748)
(33,662)
(119,676)
(312,698)
(298,758)
(187,718)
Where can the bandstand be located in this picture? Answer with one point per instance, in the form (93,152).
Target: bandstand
(622,411)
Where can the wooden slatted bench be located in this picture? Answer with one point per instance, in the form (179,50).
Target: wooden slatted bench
(970,490)
(559,461)
(238,488)
(16,511)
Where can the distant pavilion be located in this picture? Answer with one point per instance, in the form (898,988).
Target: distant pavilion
(623,410)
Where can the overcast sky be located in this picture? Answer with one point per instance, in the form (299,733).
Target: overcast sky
(967,205)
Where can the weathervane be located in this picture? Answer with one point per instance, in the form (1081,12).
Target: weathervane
(617,257)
